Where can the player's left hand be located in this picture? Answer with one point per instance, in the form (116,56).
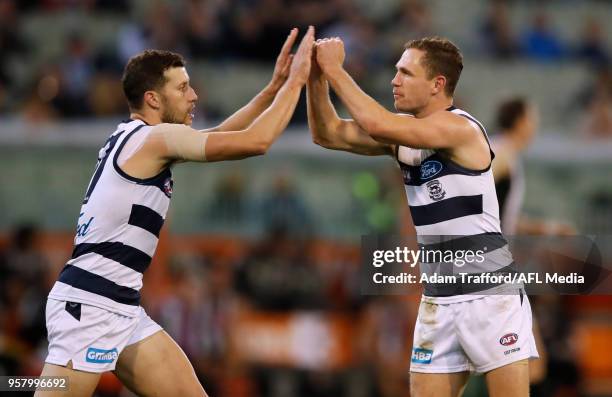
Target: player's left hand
(283,62)
(330,54)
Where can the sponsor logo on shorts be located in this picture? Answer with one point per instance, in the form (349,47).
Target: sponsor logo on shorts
(508,339)
(421,356)
(99,356)
(516,349)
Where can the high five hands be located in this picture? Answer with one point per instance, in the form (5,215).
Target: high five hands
(312,58)
(329,55)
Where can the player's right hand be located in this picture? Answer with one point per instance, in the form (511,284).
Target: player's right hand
(300,67)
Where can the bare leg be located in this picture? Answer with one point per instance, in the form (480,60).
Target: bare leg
(80,384)
(437,385)
(156,366)
(511,380)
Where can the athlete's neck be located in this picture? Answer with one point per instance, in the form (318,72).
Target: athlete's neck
(435,105)
(147,117)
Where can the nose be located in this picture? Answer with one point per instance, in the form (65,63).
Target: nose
(394,81)
(194,96)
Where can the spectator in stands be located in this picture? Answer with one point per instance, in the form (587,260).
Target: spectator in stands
(23,273)
(592,47)
(76,73)
(359,38)
(12,46)
(203,29)
(541,42)
(496,32)
(597,122)
(596,101)
(278,274)
(284,206)
(413,20)
(228,204)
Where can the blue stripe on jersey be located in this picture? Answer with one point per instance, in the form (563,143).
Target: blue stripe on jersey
(491,241)
(445,210)
(128,256)
(416,175)
(87,281)
(145,218)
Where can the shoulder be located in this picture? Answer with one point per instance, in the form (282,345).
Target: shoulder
(457,123)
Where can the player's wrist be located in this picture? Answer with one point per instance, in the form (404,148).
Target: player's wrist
(332,70)
(295,82)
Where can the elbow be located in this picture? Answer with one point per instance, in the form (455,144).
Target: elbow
(260,148)
(317,140)
(375,130)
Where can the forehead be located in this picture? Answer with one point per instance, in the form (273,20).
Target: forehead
(411,60)
(176,76)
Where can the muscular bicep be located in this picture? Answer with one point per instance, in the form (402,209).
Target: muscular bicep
(442,130)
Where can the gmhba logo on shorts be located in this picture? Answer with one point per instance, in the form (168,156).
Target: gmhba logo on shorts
(508,339)
(421,356)
(100,356)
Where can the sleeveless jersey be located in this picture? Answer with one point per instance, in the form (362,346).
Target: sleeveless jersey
(453,208)
(117,232)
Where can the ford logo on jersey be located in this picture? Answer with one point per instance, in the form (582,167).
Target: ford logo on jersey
(99,356)
(421,356)
(430,168)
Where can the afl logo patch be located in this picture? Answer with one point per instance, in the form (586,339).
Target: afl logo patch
(508,339)
(168,187)
(436,192)
(431,168)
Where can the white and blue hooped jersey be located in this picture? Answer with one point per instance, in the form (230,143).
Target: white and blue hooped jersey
(117,233)
(453,207)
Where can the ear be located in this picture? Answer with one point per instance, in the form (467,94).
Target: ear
(152,99)
(439,84)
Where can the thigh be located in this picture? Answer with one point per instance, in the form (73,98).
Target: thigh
(511,380)
(156,366)
(437,385)
(435,347)
(496,330)
(80,384)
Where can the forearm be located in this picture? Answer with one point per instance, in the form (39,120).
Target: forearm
(322,117)
(242,118)
(266,128)
(365,110)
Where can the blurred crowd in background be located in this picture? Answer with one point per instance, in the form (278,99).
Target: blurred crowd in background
(79,75)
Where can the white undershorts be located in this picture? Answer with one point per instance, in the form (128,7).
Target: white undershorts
(477,335)
(93,338)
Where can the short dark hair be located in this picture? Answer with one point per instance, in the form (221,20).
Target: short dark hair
(441,57)
(145,72)
(509,112)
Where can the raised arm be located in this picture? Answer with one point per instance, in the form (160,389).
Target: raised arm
(329,130)
(169,143)
(247,114)
(439,131)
